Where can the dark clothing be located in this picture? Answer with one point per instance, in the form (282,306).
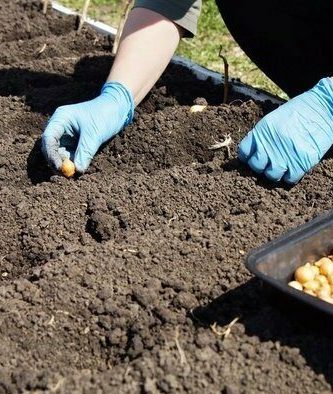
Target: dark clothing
(184,13)
(290,41)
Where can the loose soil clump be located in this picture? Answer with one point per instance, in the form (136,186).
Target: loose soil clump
(111,282)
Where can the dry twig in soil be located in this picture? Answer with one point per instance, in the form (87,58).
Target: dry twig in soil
(41,50)
(84,13)
(172,219)
(50,322)
(226,76)
(121,27)
(223,144)
(45,5)
(225,332)
(181,352)
(57,386)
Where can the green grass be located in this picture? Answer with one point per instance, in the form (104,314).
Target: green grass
(204,48)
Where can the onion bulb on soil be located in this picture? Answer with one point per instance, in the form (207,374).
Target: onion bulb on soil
(197,108)
(68,168)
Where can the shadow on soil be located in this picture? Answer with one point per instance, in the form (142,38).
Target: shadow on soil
(246,172)
(261,180)
(37,168)
(265,317)
(44,92)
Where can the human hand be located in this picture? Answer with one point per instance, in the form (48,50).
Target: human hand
(77,131)
(289,141)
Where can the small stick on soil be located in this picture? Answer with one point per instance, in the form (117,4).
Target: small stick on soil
(225,332)
(130,250)
(127,371)
(41,50)
(226,76)
(172,219)
(226,143)
(121,27)
(181,352)
(57,386)
(51,321)
(83,16)
(27,23)
(45,6)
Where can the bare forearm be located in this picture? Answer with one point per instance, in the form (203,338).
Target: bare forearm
(148,42)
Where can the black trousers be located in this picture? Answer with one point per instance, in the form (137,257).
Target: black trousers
(291,41)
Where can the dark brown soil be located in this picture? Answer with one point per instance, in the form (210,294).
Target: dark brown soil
(110,282)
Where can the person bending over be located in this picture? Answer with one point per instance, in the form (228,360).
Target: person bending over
(291,43)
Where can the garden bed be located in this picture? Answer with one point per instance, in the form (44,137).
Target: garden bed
(111,282)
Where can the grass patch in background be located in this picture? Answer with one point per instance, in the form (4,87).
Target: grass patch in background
(203,49)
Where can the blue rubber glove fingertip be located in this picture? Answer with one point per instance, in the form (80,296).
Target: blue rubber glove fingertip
(293,180)
(247,147)
(81,165)
(241,156)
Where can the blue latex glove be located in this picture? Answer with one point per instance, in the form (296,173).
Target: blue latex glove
(77,131)
(291,140)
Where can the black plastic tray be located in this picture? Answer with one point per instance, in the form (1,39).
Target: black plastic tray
(275,263)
